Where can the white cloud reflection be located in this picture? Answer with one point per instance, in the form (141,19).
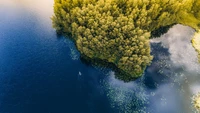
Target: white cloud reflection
(178,41)
(184,79)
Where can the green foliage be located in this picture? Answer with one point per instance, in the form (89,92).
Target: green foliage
(118,31)
(196,43)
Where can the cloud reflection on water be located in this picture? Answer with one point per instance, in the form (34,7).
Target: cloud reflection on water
(170,88)
(178,41)
(184,56)
(172,79)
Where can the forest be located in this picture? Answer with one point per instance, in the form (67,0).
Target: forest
(118,31)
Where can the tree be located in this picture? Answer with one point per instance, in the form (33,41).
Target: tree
(118,31)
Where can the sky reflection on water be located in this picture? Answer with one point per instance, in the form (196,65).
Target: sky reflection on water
(169,82)
(41,72)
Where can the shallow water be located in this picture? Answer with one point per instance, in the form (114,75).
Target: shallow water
(42,73)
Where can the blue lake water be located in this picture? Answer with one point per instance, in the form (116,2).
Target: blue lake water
(42,73)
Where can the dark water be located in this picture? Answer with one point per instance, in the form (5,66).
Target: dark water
(37,73)
(42,73)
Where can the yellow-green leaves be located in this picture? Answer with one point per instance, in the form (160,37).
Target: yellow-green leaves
(118,31)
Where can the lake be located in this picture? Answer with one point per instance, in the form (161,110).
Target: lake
(43,73)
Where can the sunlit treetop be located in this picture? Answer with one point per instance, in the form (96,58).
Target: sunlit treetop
(196,102)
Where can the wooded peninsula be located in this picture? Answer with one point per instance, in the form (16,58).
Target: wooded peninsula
(119,31)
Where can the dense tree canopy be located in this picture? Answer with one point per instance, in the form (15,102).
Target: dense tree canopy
(118,31)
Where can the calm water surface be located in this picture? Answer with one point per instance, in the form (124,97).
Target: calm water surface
(42,73)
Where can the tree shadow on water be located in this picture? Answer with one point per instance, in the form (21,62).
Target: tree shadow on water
(107,66)
(161,69)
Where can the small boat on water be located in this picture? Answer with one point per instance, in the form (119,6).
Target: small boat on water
(79,73)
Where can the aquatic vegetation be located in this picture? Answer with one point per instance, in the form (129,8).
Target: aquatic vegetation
(196,101)
(196,43)
(118,31)
(126,97)
(74,54)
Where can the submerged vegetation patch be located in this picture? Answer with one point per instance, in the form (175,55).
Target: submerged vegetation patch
(196,43)
(196,102)
(118,31)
